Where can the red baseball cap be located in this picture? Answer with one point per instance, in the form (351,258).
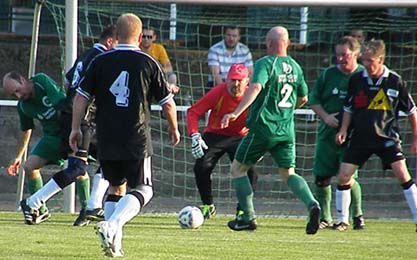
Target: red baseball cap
(238,72)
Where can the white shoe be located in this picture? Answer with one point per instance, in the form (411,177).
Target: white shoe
(106,234)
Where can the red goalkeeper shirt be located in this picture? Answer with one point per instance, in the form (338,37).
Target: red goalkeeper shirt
(220,102)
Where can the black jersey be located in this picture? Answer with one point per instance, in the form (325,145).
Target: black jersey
(74,75)
(375,105)
(123,82)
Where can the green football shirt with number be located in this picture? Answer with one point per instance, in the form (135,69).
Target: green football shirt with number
(272,112)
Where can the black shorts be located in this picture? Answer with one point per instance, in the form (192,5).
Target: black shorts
(134,172)
(388,155)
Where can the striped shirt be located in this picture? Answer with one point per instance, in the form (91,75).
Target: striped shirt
(219,56)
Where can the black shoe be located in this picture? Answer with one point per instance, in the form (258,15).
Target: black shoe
(96,214)
(313,220)
(358,223)
(239,224)
(81,220)
(29,214)
(324,224)
(341,226)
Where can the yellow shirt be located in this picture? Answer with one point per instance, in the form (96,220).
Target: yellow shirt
(158,52)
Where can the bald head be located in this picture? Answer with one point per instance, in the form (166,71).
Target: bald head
(277,41)
(129,28)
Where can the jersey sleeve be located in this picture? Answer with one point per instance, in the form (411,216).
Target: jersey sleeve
(26,122)
(260,74)
(196,111)
(406,102)
(54,92)
(159,84)
(315,94)
(162,55)
(87,82)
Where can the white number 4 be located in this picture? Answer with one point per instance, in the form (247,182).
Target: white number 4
(120,89)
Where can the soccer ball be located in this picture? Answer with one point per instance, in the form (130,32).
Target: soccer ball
(190,217)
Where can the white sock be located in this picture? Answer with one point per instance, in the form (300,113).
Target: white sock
(44,194)
(342,205)
(98,191)
(127,208)
(109,207)
(411,198)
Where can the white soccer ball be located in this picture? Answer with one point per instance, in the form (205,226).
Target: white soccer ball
(190,217)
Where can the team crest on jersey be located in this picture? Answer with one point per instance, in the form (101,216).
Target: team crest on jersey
(392,93)
(360,100)
(46,102)
(379,102)
(286,68)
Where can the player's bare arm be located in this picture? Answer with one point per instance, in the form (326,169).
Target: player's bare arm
(23,141)
(170,112)
(248,98)
(342,134)
(301,101)
(329,119)
(413,122)
(78,111)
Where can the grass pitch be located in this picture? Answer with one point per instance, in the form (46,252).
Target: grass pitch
(160,237)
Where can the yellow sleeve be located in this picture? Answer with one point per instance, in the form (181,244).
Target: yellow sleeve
(160,54)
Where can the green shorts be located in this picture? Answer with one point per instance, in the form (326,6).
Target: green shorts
(254,146)
(48,147)
(328,156)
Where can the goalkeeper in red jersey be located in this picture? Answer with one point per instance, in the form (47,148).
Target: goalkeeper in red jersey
(216,141)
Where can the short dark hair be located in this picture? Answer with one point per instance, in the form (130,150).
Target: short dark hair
(108,32)
(352,42)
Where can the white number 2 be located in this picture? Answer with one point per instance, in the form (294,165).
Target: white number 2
(120,89)
(286,91)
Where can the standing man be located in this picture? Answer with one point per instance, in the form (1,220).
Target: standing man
(225,53)
(216,141)
(326,100)
(375,98)
(91,209)
(39,98)
(124,82)
(277,88)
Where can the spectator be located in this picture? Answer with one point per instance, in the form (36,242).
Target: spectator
(225,53)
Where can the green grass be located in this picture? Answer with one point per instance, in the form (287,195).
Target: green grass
(160,237)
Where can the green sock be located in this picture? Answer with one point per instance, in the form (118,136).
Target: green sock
(324,196)
(244,195)
(83,191)
(35,184)
(356,195)
(300,188)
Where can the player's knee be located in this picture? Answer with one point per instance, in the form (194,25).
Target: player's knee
(143,193)
(76,167)
(322,182)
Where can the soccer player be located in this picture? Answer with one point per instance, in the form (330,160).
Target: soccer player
(216,141)
(276,89)
(225,53)
(39,98)
(91,209)
(374,99)
(77,162)
(326,100)
(124,81)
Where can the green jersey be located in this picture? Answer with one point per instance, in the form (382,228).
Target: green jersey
(272,112)
(42,106)
(330,91)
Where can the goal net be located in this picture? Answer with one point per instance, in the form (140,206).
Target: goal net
(187,31)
